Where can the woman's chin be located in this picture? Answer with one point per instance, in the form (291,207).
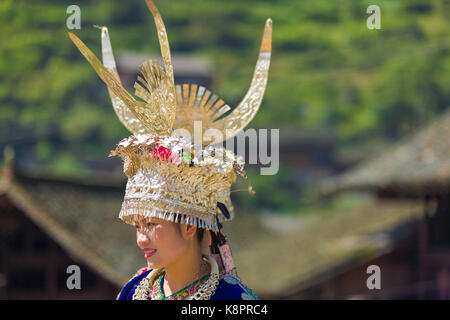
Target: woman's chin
(153,265)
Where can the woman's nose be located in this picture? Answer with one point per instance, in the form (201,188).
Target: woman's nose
(142,239)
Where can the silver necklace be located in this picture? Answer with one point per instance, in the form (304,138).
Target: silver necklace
(205,291)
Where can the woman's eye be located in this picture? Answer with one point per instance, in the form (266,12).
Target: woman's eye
(150,224)
(136,226)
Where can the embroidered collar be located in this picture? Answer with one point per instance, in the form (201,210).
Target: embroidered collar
(157,292)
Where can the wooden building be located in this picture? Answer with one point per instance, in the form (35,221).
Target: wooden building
(302,257)
(48,224)
(416,168)
(399,223)
(308,156)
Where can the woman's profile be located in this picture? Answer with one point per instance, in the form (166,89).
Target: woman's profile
(178,191)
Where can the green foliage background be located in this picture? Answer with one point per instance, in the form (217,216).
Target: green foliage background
(328,71)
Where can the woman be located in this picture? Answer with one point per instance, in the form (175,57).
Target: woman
(178,192)
(182,267)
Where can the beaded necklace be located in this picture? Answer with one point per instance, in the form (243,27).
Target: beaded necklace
(145,290)
(157,293)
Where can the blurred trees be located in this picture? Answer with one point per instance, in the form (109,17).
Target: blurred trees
(328,70)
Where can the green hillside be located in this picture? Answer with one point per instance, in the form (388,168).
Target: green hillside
(328,71)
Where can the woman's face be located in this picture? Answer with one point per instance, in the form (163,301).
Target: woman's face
(161,241)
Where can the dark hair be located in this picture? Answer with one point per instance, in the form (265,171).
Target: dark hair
(200,234)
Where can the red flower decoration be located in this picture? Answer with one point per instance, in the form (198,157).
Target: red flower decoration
(164,154)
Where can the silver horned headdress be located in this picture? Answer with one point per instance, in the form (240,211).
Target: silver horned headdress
(168,176)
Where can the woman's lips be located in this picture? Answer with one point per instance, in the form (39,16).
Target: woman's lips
(149,253)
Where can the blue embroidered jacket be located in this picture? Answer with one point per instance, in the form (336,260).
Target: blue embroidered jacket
(229,288)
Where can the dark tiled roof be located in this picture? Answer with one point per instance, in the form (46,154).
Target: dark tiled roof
(416,166)
(274,264)
(83,219)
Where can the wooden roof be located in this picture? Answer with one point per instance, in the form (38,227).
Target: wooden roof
(82,218)
(278,261)
(415,166)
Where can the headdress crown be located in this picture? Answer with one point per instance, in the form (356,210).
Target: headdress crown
(180,185)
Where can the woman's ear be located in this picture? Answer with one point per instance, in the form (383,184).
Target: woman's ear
(188,231)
